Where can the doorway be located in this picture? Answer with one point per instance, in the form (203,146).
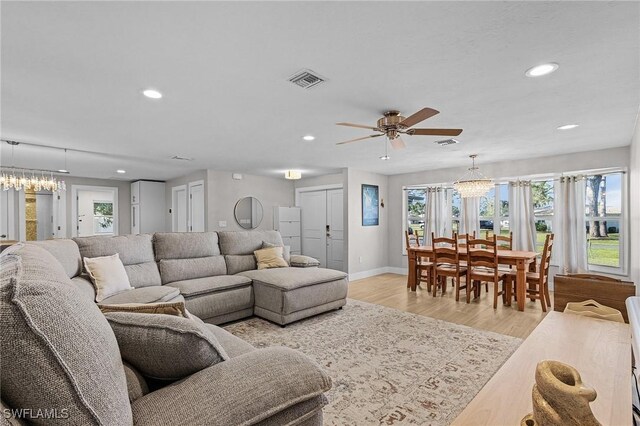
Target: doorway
(322,223)
(94,210)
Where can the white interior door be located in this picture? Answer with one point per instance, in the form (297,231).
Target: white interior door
(4,215)
(313,206)
(91,222)
(179,207)
(196,207)
(335,230)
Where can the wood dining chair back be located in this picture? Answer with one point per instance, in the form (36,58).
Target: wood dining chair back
(538,282)
(505,242)
(446,257)
(424,267)
(482,266)
(464,238)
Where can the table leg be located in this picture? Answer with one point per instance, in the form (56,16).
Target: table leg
(521,282)
(411,279)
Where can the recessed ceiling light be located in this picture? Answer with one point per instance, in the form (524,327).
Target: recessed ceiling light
(63,171)
(151,93)
(540,70)
(568,127)
(121,171)
(385,158)
(308,137)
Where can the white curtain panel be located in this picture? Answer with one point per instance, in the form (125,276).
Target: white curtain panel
(437,214)
(570,243)
(521,216)
(470,216)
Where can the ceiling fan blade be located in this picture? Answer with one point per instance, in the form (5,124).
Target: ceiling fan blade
(361,126)
(419,116)
(435,132)
(398,143)
(359,139)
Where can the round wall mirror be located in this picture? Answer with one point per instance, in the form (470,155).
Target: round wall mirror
(248,212)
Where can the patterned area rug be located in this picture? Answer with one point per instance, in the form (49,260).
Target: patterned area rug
(389,367)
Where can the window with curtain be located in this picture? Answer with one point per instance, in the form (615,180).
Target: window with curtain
(502,212)
(605,222)
(416,201)
(543,204)
(488,212)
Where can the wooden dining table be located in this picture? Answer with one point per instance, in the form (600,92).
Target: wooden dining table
(522,260)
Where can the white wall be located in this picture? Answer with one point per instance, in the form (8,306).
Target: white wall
(615,157)
(223,192)
(368,248)
(634,208)
(183,180)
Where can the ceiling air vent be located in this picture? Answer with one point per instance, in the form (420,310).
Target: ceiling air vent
(178,157)
(306,79)
(446,142)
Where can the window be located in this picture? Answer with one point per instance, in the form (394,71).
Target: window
(455,211)
(604,217)
(543,204)
(103,217)
(416,201)
(487,212)
(502,200)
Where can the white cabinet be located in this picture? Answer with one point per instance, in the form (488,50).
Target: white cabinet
(147,207)
(287,221)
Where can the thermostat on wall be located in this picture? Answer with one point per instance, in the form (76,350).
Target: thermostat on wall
(237,176)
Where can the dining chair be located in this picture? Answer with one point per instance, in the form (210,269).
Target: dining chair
(422,265)
(446,256)
(537,283)
(482,266)
(504,242)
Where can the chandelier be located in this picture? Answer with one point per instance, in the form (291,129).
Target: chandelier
(30,179)
(19,180)
(473,183)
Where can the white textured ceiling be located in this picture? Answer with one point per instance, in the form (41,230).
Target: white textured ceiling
(72,73)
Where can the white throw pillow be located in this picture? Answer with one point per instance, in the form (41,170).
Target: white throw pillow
(108,275)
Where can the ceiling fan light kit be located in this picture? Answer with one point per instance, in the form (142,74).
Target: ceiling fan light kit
(473,183)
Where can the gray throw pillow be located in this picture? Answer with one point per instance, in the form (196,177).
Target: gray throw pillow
(165,347)
(286,251)
(299,261)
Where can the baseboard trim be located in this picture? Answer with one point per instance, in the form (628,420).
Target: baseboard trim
(378,271)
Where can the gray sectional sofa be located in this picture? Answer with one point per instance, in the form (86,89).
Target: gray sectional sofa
(62,365)
(213,272)
(60,356)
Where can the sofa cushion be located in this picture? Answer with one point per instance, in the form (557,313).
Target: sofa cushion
(85,286)
(271,257)
(66,252)
(233,345)
(200,286)
(58,350)
(153,294)
(286,250)
(108,275)
(136,384)
(164,346)
(185,269)
(136,254)
(292,278)
(166,308)
(300,261)
(246,242)
(240,262)
(185,245)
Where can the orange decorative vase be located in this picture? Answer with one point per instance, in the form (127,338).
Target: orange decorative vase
(560,398)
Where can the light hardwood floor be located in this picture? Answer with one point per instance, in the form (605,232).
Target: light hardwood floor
(391,290)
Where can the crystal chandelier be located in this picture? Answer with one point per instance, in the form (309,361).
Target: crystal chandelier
(30,179)
(14,179)
(473,183)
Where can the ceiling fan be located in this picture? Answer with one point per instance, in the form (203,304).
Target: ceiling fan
(393,125)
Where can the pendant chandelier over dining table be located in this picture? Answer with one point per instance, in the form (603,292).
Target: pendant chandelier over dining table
(473,183)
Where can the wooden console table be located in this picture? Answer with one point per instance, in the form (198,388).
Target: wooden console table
(600,351)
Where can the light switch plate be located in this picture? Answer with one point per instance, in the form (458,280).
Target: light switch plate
(222,224)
